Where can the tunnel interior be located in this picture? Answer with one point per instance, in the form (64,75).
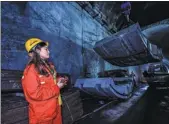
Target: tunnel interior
(122,43)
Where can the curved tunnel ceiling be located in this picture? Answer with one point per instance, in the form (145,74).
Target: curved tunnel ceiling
(159,35)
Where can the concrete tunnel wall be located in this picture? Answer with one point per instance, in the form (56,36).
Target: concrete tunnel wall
(70,31)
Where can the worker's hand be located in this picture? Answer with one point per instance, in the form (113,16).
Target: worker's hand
(61,83)
(65,80)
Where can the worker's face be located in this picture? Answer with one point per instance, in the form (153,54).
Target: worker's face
(44,52)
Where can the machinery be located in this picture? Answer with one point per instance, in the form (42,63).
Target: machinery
(111,84)
(157,76)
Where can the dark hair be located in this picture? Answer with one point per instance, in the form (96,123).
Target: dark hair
(37,61)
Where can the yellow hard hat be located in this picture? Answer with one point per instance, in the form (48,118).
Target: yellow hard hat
(32,42)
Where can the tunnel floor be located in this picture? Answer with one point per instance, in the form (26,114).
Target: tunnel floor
(157,111)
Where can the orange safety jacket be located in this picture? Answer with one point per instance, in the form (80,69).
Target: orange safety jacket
(42,94)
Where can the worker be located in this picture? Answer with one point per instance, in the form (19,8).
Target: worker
(41,86)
